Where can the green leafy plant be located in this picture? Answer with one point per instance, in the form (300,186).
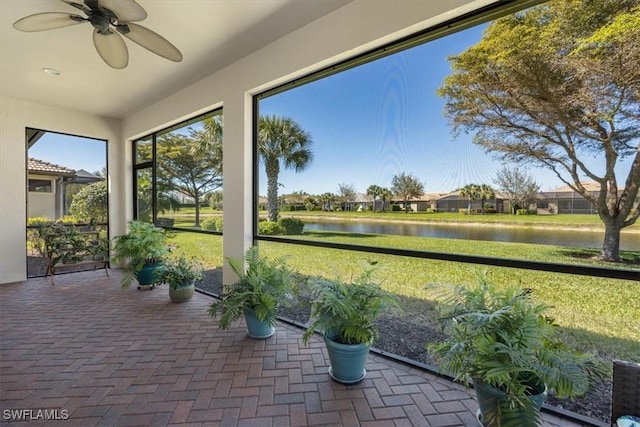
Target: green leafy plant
(262,287)
(270,228)
(144,243)
(291,225)
(208,224)
(62,243)
(180,271)
(501,338)
(348,311)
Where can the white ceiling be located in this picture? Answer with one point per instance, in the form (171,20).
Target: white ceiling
(211,34)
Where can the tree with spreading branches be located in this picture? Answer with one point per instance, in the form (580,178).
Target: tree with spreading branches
(347,194)
(519,187)
(557,86)
(191,164)
(406,186)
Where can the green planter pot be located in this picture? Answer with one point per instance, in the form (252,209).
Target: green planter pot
(182,293)
(149,274)
(347,360)
(256,328)
(489,398)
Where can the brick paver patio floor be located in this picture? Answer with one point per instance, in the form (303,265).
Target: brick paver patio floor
(111,357)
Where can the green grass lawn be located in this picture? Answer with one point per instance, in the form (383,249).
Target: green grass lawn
(596,314)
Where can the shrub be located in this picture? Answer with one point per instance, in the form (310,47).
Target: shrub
(90,203)
(34,241)
(212,224)
(490,211)
(208,224)
(270,228)
(310,206)
(291,225)
(526,212)
(395,208)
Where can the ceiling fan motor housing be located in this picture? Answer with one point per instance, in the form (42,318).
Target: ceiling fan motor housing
(100,22)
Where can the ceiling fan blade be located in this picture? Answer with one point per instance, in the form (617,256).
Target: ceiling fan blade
(47,21)
(77,5)
(152,41)
(125,10)
(111,48)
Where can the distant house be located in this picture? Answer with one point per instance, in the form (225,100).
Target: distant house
(49,187)
(566,200)
(422,203)
(453,202)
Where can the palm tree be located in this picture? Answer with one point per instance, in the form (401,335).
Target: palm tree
(470,191)
(385,195)
(485,192)
(374,191)
(282,143)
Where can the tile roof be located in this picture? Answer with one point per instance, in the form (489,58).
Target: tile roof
(35,165)
(588,185)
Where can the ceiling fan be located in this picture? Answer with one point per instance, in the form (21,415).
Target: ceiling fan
(109,18)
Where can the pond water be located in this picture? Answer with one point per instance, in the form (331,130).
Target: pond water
(570,238)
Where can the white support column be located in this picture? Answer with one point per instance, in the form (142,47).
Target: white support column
(238,178)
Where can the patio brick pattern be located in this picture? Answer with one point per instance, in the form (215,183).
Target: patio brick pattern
(113,357)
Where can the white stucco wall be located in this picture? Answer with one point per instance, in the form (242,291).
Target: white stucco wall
(15,116)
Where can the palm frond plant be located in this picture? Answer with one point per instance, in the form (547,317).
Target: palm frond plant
(346,314)
(260,290)
(501,341)
(143,246)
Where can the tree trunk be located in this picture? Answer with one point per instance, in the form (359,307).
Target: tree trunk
(611,244)
(272,171)
(197,213)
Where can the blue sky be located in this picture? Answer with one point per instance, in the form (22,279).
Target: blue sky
(384,118)
(71,151)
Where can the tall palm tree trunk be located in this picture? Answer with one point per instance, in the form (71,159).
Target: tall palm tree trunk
(272,170)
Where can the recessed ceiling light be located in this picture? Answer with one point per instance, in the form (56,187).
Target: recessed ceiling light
(52,71)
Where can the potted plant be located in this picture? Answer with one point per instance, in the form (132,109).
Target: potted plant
(345,313)
(180,274)
(257,294)
(501,341)
(142,251)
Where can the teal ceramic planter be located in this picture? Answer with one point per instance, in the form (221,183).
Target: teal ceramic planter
(256,328)
(489,398)
(149,274)
(347,360)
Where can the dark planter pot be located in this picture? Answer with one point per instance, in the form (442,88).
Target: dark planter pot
(183,292)
(256,328)
(347,360)
(149,274)
(489,399)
